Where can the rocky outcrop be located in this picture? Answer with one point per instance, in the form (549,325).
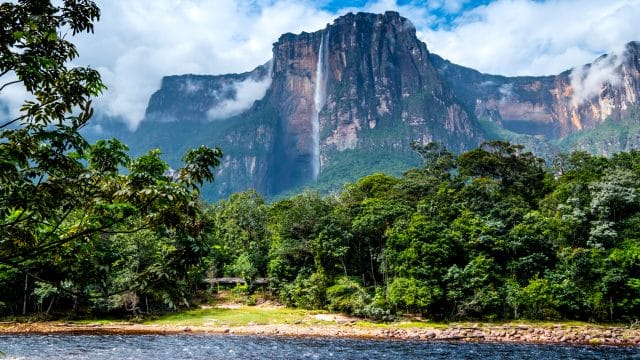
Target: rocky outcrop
(381,80)
(340,326)
(190,110)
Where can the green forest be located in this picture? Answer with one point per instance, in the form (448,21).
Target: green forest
(493,233)
(490,234)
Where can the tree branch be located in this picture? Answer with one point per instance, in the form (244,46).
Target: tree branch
(12,121)
(9,83)
(23,270)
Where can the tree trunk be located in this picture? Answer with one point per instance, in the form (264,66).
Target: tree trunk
(26,287)
(50,305)
(373,274)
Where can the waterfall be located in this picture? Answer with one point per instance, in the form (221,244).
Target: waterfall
(319,99)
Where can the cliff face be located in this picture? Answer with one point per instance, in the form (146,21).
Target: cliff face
(554,106)
(190,110)
(295,60)
(381,79)
(364,82)
(348,100)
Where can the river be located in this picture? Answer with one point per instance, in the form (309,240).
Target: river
(160,347)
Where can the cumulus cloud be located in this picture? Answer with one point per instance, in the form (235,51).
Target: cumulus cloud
(136,43)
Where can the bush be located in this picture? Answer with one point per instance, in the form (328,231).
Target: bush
(378,308)
(410,294)
(347,296)
(536,300)
(308,292)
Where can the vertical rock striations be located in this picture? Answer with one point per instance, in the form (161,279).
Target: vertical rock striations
(381,80)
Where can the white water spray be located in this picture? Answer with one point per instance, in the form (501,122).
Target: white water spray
(319,99)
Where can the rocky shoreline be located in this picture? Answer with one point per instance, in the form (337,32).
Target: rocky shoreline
(510,333)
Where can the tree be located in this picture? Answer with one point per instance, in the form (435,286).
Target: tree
(294,225)
(532,246)
(239,235)
(58,194)
(34,52)
(436,158)
(40,150)
(472,290)
(612,198)
(516,171)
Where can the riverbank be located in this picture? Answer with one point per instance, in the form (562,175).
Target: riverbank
(278,321)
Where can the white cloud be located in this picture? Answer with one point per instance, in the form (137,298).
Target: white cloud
(136,43)
(191,87)
(587,81)
(454,6)
(246,93)
(12,97)
(506,90)
(418,14)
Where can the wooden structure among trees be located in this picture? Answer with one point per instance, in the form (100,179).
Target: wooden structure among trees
(234,281)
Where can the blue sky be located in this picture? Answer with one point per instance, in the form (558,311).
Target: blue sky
(138,42)
(445,11)
(336,5)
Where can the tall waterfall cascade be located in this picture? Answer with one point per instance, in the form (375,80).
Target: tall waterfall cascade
(319,100)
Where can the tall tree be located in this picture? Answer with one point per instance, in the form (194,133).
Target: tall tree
(43,178)
(58,194)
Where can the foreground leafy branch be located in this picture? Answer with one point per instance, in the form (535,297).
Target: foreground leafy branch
(62,200)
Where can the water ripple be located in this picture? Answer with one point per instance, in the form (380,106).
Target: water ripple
(98,347)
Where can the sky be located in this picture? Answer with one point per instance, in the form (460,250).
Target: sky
(136,43)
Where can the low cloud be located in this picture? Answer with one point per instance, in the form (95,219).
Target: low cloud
(506,90)
(246,93)
(191,87)
(587,81)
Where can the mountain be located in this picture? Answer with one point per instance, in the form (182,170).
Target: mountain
(557,109)
(348,100)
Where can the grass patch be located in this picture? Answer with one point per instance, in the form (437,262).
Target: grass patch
(565,323)
(106,321)
(366,324)
(421,325)
(238,317)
